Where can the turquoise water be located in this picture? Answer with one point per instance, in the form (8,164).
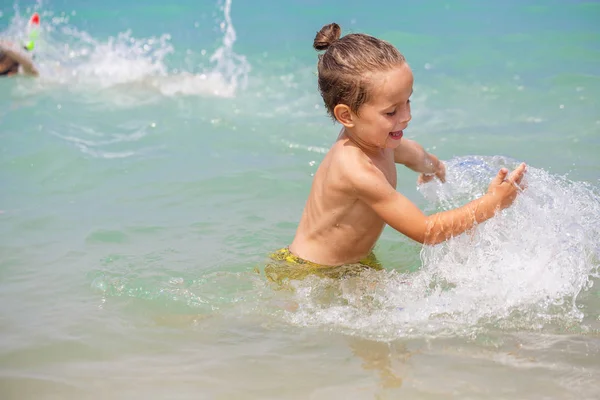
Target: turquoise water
(167,148)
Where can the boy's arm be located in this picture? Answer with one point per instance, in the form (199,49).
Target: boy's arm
(24,61)
(400,213)
(414,156)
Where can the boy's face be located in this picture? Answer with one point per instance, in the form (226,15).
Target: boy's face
(382,119)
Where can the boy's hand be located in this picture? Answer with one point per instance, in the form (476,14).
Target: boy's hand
(504,191)
(440,173)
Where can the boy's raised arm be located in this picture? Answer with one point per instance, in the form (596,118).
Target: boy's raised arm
(414,156)
(401,214)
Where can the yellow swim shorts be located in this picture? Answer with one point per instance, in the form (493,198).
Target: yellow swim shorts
(287,266)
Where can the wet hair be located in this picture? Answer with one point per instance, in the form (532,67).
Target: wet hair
(11,67)
(343,67)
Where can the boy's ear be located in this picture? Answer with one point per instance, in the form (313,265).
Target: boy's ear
(344,115)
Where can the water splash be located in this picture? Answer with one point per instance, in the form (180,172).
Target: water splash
(525,268)
(229,73)
(69,56)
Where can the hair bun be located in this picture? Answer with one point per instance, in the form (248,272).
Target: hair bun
(326,36)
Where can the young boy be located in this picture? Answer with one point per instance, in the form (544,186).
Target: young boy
(366,85)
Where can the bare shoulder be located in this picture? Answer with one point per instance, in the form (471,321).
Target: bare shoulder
(348,160)
(356,171)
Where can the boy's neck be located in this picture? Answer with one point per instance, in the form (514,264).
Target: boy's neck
(371,151)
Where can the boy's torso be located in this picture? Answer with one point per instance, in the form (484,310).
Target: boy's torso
(336,227)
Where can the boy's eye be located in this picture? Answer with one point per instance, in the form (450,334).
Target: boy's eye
(391,114)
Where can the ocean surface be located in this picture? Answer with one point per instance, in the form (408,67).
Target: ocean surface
(168,147)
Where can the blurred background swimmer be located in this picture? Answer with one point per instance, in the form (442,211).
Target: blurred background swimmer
(14,60)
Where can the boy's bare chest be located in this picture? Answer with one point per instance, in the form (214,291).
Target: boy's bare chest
(388,168)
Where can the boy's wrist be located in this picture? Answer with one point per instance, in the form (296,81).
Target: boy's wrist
(486,207)
(434,168)
(431,165)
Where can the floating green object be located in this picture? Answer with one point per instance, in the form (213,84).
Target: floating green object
(34,25)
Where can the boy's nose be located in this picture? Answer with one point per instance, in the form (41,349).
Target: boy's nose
(406,117)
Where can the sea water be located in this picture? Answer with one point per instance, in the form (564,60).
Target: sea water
(167,148)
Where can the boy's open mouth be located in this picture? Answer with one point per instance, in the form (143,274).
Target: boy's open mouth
(396,135)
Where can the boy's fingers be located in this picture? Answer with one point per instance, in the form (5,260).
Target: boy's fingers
(500,177)
(424,178)
(517,174)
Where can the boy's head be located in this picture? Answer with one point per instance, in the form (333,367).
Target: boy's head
(345,67)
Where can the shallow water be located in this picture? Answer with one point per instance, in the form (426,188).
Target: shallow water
(167,149)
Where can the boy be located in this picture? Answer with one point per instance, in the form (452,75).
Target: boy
(366,84)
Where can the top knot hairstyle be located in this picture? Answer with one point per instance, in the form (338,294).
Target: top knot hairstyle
(343,67)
